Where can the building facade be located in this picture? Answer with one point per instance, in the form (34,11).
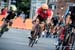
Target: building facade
(60,5)
(4,3)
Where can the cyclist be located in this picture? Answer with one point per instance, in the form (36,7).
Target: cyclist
(43,14)
(70,22)
(35,34)
(7,20)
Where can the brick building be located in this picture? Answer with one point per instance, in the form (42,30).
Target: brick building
(61,5)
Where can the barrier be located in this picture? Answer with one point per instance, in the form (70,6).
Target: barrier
(1,22)
(1,17)
(28,24)
(18,23)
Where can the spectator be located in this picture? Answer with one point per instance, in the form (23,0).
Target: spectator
(22,14)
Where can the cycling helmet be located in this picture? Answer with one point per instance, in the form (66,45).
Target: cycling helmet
(13,8)
(44,6)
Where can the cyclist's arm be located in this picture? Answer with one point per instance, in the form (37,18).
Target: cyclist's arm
(34,18)
(68,20)
(50,16)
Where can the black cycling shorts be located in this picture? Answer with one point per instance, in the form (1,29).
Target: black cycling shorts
(41,19)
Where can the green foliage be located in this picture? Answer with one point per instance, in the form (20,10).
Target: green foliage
(23,5)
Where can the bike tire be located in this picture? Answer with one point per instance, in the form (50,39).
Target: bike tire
(30,41)
(33,42)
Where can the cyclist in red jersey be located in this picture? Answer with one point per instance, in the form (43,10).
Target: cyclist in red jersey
(43,13)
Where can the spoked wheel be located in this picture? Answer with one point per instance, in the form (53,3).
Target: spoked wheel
(31,42)
(66,42)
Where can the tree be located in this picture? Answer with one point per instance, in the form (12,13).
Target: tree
(23,5)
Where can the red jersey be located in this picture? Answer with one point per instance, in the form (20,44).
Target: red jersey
(4,12)
(44,15)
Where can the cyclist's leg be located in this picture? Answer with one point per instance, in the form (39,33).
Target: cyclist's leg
(36,40)
(10,23)
(7,26)
(31,34)
(4,24)
(3,27)
(39,34)
(67,43)
(72,41)
(42,25)
(31,39)
(33,42)
(46,33)
(30,42)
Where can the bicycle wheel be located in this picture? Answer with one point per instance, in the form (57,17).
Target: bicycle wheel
(72,41)
(31,42)
(66,42)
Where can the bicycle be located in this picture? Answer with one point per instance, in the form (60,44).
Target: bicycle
(4,27)
(33,40)
(35,35)
(68,42)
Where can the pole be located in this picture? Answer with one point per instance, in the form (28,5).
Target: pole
(9,4)
(0,6)
(46,1)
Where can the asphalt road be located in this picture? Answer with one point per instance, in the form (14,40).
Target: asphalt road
(16,39)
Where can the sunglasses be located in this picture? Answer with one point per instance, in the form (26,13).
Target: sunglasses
(37,21)
(44,9)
